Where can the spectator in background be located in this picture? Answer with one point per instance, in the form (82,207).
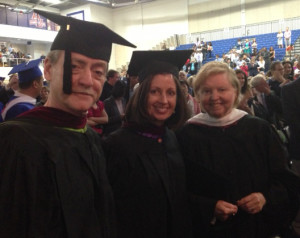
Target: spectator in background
(234,56)
(268,105)
(112,77)
(245,92)
(247,47)
(261,64)
(9,90)
(239,46)
(288,51)
(209,49)
(123,75)
(254,47)
(193,66)
(287,37)
(164,46)
(230,64)
(133,80)
(198,43)
(266,55)
(244,68)
(297,70)
(224,58)
(199,58)
(43,96)
(240,61)
(277,80)
(272,53)
(218,59)
(190,82)
(182,75)
(193,105)
(97,117)
(204,50)
(246,58)
(288,72)
(115,108)
(280,39)
(252,67)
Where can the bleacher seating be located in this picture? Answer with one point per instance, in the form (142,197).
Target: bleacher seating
(185,46)
(264,40)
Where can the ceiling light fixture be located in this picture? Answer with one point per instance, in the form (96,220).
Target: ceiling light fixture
(99,1)
(52,1)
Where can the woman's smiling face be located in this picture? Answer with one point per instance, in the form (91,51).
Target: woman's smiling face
(217,95)
(161,100)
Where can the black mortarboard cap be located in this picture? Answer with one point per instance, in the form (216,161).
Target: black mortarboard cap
(27,71)
(91,39)
(141,59)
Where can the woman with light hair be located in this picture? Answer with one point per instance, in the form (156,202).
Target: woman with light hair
(237,174)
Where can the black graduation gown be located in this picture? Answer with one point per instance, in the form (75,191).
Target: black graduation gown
(229,163)
(148,182)
(53,183)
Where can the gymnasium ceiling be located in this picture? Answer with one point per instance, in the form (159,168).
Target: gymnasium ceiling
(60,5)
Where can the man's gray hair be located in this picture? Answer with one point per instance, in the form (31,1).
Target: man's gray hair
(257,80)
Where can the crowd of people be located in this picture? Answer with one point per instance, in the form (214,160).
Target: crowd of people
(241,53)
(10,57)
(170,149)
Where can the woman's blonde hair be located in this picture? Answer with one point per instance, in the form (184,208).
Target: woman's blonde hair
(214,68)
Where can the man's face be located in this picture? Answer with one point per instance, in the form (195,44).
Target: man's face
(114,79)
(279,71)
(14,82)
(88,76)
(262,87)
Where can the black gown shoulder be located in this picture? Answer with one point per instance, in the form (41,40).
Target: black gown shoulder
(147,176)
(53,182)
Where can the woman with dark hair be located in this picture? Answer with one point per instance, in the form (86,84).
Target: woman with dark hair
(145,167)
(288,70)
(209,49)
(236,166)
(272,53)
(245,93)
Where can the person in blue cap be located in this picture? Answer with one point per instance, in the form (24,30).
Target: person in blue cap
(53,180)
(30,84)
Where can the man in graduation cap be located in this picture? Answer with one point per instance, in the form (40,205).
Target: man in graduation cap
(30,85)
(53,179)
